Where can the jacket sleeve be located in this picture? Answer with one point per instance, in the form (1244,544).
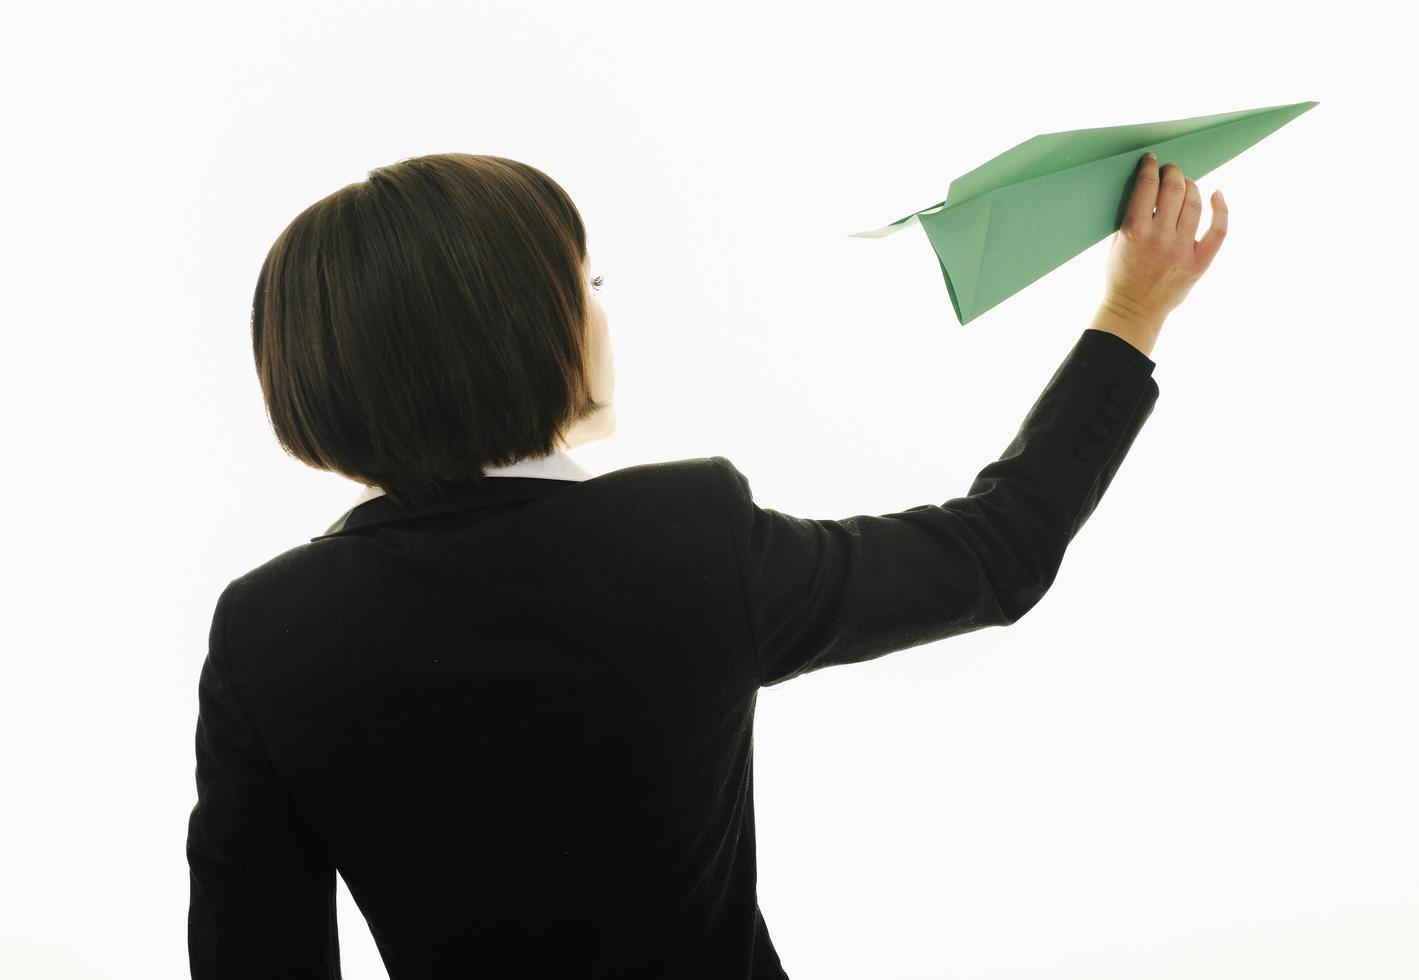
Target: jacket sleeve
(262,892)
(824,592)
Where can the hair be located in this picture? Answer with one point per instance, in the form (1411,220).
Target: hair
(431,320)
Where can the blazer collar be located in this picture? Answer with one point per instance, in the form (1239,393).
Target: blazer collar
(457,495)
(522,479)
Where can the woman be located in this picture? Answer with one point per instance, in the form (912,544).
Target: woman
(512,703)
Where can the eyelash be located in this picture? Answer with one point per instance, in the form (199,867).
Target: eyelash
(596,283)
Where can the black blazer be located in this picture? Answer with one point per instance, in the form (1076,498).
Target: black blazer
(519,720)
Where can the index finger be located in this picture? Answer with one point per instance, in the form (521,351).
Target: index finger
(1144,197)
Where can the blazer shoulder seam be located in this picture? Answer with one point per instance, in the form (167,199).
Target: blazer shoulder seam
(722,465)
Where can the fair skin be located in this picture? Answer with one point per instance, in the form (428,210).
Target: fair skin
(601,423)
(1155,260)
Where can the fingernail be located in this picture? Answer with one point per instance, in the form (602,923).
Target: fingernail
(1150,155)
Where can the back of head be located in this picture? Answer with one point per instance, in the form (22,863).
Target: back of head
(425,323)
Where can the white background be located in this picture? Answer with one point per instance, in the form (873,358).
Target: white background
(1196,757)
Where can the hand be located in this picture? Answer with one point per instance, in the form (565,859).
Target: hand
(1155,260)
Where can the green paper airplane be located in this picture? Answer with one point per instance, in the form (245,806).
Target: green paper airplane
(1042,202)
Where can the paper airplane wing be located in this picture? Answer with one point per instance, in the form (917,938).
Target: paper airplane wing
(1037,205)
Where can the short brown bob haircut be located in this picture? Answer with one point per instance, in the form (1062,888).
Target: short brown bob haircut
(424,323)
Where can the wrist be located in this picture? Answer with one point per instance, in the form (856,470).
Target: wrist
(1138,329)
